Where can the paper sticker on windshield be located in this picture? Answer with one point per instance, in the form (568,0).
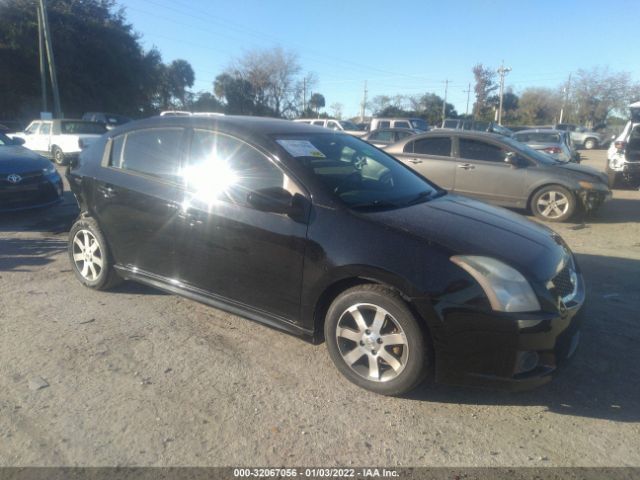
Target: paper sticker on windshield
(301,148)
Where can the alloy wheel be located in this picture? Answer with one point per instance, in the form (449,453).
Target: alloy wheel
(552,204)
(87,255)
(372,342)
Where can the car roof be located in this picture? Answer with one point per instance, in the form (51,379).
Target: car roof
(254,125)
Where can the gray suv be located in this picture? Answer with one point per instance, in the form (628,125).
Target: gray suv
(504,172)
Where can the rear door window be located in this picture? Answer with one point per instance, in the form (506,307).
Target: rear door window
(439,146)
(384,124)
(402,125)
(155,152)
(478,150)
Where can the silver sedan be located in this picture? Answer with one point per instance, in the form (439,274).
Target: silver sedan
(504,172)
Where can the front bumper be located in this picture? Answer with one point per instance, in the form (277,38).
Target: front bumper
(591,200)
(45,193)
(509,351)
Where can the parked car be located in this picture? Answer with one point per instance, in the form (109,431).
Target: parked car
(322,235)
(60,140)
(504,172)
(27,180)
(387,136)
(582,137)
(476,125)
(345,126)
(399,122)
(556,143)
(623,155)
(110,120)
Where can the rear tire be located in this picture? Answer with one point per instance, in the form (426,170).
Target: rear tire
(590,143)
(375,341)
(58,155)
(90,256)
(553,203)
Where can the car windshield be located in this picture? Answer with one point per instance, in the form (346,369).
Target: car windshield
(538,137)
(419,124)
(360,175)
(535,154)
(347,125)
(82,127)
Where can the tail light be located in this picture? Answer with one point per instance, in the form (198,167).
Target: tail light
(620,146)
(553,150)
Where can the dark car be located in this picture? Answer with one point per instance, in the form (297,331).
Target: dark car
(503,171)
(324,236)
(27,180)
(386,136)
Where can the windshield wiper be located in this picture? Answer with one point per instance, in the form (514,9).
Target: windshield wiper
(421,197)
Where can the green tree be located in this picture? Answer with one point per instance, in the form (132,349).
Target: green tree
(236,92)
(316,102)
(100,62)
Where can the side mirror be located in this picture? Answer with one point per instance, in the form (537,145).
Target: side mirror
(512,159)
(18,141)
(274,199)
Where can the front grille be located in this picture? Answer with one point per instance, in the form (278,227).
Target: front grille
(562,282)
(28,178)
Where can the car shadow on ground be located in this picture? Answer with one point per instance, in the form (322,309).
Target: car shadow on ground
(617,210)
(601,380)
(20,254)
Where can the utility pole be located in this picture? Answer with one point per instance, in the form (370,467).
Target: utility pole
(364,102)
(57,111)
(43,71)
(565,100)
(502,71)
(304,95)
(468,92)
(444,102)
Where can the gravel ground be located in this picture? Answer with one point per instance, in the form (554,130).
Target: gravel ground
(139,377)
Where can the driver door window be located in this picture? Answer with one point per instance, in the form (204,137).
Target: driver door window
(482,151)
(225,168)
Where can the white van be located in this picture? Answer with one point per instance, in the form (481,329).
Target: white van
(412,123)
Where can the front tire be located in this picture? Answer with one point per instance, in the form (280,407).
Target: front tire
(553,203)
(375,341)
(90,257)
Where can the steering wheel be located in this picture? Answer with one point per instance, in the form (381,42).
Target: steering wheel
(347,182)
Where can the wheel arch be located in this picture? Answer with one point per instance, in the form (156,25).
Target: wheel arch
(332,290)
(539,187)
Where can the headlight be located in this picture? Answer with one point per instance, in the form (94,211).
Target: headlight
(49,170)
(506,288)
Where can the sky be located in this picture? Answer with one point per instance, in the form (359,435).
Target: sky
(397,47)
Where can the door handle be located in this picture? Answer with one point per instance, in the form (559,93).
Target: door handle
(466,166)
(415,161)
(107,191)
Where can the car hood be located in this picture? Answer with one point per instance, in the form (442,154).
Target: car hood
(468,227)
(17,159)
(583,170)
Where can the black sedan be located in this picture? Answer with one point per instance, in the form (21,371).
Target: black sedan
(27,180)
(324,236)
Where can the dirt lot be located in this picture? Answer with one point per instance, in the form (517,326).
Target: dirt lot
(139,377)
